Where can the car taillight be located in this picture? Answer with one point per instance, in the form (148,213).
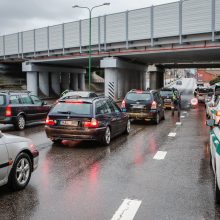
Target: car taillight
(8,111)
(91,124)
(154,105)
(123,104)
(218,113)
(49,121)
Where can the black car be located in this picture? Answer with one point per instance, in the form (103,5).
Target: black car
(167,96)
(18,107)
(144,105)
(98,119)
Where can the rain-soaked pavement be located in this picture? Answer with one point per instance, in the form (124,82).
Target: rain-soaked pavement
(88,181)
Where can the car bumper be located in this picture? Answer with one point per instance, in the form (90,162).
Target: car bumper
(8,120)
(142,116)
(68,134)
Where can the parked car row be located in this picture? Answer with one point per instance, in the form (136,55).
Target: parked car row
(213,116)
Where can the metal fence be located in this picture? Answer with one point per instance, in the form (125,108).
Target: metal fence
(173,19)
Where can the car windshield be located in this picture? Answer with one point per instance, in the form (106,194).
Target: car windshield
(2,100)
(74,108)
(166,93)
(139,97)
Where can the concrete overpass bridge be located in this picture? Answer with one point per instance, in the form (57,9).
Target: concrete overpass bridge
(180,34)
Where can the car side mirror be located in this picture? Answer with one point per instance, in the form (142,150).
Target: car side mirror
(44,103)
(210,122)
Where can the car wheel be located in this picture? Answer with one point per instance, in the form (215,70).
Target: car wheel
(56,141)
(157,119)
(20,173)
(20,122)
(128,127)
(217,191)
(107,136)
(163,117)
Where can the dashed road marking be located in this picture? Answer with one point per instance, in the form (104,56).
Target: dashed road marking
(172,134)
(127,210)
(179,123)
(160,155)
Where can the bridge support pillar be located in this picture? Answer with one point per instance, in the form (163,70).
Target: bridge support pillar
(156,77)
(74,81)
(121,76)
(55,82)
(32,82)
(44,83)
(65,81)
(82,84)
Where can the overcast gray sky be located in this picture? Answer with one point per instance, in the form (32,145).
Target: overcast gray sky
(19,15)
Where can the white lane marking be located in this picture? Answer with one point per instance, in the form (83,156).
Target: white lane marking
(172,134)
(179,123)
(160,155)
(127,210)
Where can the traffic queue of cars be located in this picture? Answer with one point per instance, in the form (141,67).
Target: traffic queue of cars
(213,116)
(77,115)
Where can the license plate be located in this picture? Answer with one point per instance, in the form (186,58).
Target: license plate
(138,106)
(167,100)
(69,123)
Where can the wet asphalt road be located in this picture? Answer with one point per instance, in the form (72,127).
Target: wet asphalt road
(88,181)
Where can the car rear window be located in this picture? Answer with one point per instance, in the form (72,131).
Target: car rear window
(2,100)
(204,90)
(166,93)
(74,108)
(138,97)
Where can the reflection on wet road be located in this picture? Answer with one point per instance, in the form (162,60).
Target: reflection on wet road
(82,180)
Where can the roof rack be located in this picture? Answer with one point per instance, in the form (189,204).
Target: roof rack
(14,91)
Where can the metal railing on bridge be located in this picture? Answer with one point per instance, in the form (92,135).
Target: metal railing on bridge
(176,19)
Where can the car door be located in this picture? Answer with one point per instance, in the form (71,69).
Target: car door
(28,107)
(121,118)
(40,109)
(4,163)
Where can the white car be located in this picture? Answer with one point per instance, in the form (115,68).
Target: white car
(215,156)
(18,159)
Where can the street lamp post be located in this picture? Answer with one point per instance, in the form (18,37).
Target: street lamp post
(90,34)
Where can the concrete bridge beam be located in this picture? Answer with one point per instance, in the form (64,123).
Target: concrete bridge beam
(44,83)
(156,77)
(55,83)
(121,76)
(32,82)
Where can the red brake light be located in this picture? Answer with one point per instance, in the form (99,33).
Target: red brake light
(8,111)
(73,102)
(123,104)
(139,91)
(91,124)
(154,105)
(218,113)
(49,121)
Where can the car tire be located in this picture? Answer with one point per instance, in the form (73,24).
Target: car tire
(20,173)
(107,136)
(163,117)
(217,191)
(20,122)
(128,127)
(157,119)
(56,141)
